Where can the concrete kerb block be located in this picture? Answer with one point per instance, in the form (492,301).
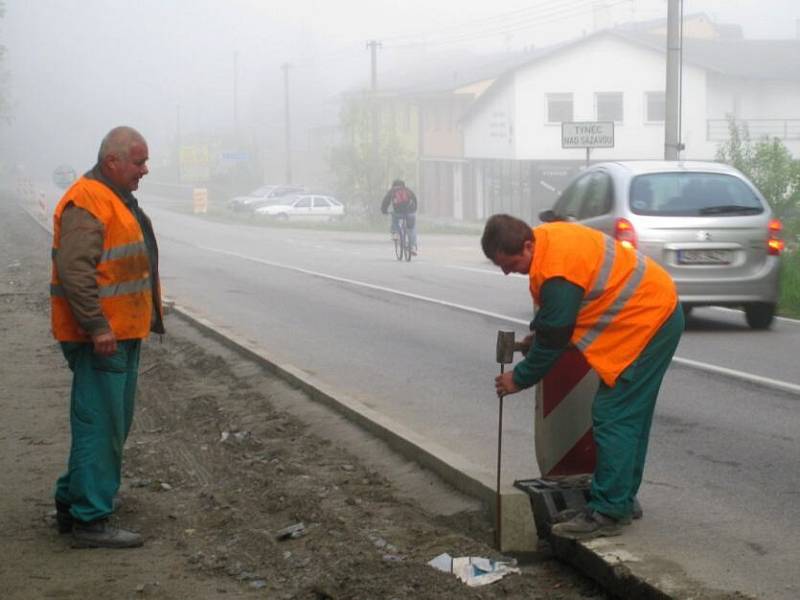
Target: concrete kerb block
(608,562)
(517,529)
(518,532)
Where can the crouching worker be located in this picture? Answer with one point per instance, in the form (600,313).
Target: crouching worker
(620,310)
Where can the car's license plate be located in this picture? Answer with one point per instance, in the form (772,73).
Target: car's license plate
(705,257)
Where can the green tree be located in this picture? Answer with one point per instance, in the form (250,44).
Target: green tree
(768,164)
(364,176)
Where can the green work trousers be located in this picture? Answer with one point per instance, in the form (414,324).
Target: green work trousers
(100,415)
(621,418)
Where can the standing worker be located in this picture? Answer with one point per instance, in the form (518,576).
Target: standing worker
(105,299)
(620,310)
(403,202)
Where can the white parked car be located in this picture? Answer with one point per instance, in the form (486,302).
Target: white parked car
(262,195)
(303,206)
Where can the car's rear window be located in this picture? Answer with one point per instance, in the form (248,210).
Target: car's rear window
(692,194)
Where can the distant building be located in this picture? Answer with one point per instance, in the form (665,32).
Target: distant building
(512,132)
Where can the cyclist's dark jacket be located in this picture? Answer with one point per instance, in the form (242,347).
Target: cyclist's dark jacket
(409,208)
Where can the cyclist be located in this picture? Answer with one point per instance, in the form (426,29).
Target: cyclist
(403,202)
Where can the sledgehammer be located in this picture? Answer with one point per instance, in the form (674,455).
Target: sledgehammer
(505,356)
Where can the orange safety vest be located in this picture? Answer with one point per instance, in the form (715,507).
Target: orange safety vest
(627,296)
(123,271)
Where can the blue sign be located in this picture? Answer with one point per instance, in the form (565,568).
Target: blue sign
(236,156)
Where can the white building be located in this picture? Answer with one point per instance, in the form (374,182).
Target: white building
(512,132)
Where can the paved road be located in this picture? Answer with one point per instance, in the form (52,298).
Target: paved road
(416,342)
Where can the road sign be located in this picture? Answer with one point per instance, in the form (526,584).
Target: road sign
(63,176)
(587,134)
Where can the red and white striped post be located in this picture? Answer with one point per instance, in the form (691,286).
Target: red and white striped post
(563,422)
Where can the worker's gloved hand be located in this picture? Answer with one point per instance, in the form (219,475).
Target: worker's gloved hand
(504,384)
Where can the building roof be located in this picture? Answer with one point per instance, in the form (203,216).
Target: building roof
(444,74)
(723,30)
(748,59)
(739,58)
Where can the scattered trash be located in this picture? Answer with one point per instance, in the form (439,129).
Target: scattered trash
(474,570)
(293,531)
(165,486)
(238,436)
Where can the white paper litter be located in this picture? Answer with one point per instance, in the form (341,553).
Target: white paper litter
(474,570)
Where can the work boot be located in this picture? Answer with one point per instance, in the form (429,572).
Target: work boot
(64,518)
(99,534)
(588,524)
(570,513)
(567,514)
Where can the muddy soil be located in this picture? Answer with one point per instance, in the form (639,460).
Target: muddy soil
(223,455)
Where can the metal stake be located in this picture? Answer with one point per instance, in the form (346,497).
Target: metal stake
(498,505)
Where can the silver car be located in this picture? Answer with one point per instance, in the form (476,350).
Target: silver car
(703,221)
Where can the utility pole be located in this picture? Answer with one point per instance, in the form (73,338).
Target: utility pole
(236,97)
(672,94)
(288,151)
(178,139)
(373,46)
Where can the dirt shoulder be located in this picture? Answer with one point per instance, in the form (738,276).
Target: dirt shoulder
(222,456)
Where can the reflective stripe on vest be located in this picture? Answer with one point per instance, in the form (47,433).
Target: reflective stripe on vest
(627,296)
(125,251)
(605,271)
(110,291)
(634,279)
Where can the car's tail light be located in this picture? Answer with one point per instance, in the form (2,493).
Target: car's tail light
(774,242)
(625,233)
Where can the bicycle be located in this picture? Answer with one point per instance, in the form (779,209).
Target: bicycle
(402,241)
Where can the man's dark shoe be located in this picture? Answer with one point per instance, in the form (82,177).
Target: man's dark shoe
(638,513)
(100,534)
(64,518)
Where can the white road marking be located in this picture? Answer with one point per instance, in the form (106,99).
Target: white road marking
(371,286)
(785,386)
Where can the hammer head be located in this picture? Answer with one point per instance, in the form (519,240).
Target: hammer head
(505,347)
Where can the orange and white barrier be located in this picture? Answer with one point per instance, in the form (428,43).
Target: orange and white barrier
(563,423)
(200,200)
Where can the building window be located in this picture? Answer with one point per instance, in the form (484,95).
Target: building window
(608,106)
(656,107)
(559,108)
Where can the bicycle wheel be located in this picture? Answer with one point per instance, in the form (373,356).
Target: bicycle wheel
(399,243)
(407,241)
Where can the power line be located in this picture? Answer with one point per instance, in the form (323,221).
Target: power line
(510,17)
(528,24)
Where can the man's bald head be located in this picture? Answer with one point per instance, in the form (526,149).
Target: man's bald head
(123,157)
(118,142)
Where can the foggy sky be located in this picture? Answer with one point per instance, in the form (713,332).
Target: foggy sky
(79,67)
